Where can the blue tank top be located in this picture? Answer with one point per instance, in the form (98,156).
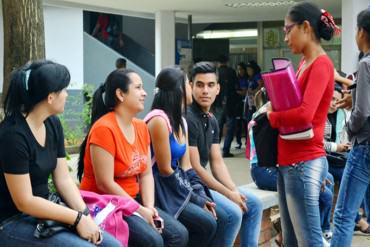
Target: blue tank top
(177,151)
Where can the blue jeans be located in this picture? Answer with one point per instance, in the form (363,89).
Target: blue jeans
(337,173)
(142,234)
(230,219)
(18,232)
(200,224)
(355,181)
(367,204)
(326,203)
(299,190)
(230,124)
(264,177)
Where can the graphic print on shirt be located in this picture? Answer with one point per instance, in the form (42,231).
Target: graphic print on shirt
(138,164)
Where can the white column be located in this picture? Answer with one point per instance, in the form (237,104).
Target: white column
(164,39)
(350,9)
(64,40)
(260,59)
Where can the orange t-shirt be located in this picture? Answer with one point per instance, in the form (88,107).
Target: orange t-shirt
(130,160)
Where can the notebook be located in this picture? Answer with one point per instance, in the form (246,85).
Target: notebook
(284,93)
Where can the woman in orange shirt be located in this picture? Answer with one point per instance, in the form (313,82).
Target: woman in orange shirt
(114,159)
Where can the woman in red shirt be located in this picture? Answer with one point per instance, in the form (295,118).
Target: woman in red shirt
(115,159)
(302,163)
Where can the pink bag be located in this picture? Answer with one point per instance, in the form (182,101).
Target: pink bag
(108,212)
(284,93)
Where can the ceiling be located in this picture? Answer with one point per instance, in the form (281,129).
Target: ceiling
(202,11)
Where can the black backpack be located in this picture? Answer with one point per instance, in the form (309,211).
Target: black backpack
(265,141)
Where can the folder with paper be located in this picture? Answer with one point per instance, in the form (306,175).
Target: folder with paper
(284,93)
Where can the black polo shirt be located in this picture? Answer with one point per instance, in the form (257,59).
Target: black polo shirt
(203,131)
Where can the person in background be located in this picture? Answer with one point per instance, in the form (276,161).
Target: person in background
(101,28)
(303,167)
(229,84)
(115,159)
(356,176)
(241,124)
(121,63)
(237,209)
(335,136)
(255,83)
(32,149)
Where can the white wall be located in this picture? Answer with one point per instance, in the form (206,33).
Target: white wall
(1,48)
(64,40)
(350,52)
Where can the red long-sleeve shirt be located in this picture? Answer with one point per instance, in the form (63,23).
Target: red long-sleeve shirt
(317,86)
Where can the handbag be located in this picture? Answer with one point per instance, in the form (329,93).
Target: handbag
(336,159)
(47,228)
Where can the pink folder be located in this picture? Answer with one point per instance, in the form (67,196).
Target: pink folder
(284,93)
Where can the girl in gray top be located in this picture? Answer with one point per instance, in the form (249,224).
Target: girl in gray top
(356,176)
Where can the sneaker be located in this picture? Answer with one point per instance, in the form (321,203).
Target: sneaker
(328,235)
(325,243)
(227,155)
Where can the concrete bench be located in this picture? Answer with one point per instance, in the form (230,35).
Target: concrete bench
(269,200)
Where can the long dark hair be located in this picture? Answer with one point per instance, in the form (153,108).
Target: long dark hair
(170,95)
(306,11)
(363,21)
(32,83)
(104,101)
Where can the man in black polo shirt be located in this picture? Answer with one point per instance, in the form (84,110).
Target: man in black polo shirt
(234,207)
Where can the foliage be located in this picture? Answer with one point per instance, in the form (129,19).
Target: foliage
(75,122)
(87,91)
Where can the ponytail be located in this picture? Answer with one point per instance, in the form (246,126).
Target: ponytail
(32,83)
(98,110)
(17,99)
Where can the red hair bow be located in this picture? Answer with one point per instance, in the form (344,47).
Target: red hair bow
(328,20)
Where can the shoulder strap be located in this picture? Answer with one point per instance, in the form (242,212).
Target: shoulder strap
(185,125)
(160,113)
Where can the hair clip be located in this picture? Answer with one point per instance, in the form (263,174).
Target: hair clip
(328,20)
(103,97)
(27,77)
(156,90)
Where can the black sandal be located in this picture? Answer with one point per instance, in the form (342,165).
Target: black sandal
(366,231)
